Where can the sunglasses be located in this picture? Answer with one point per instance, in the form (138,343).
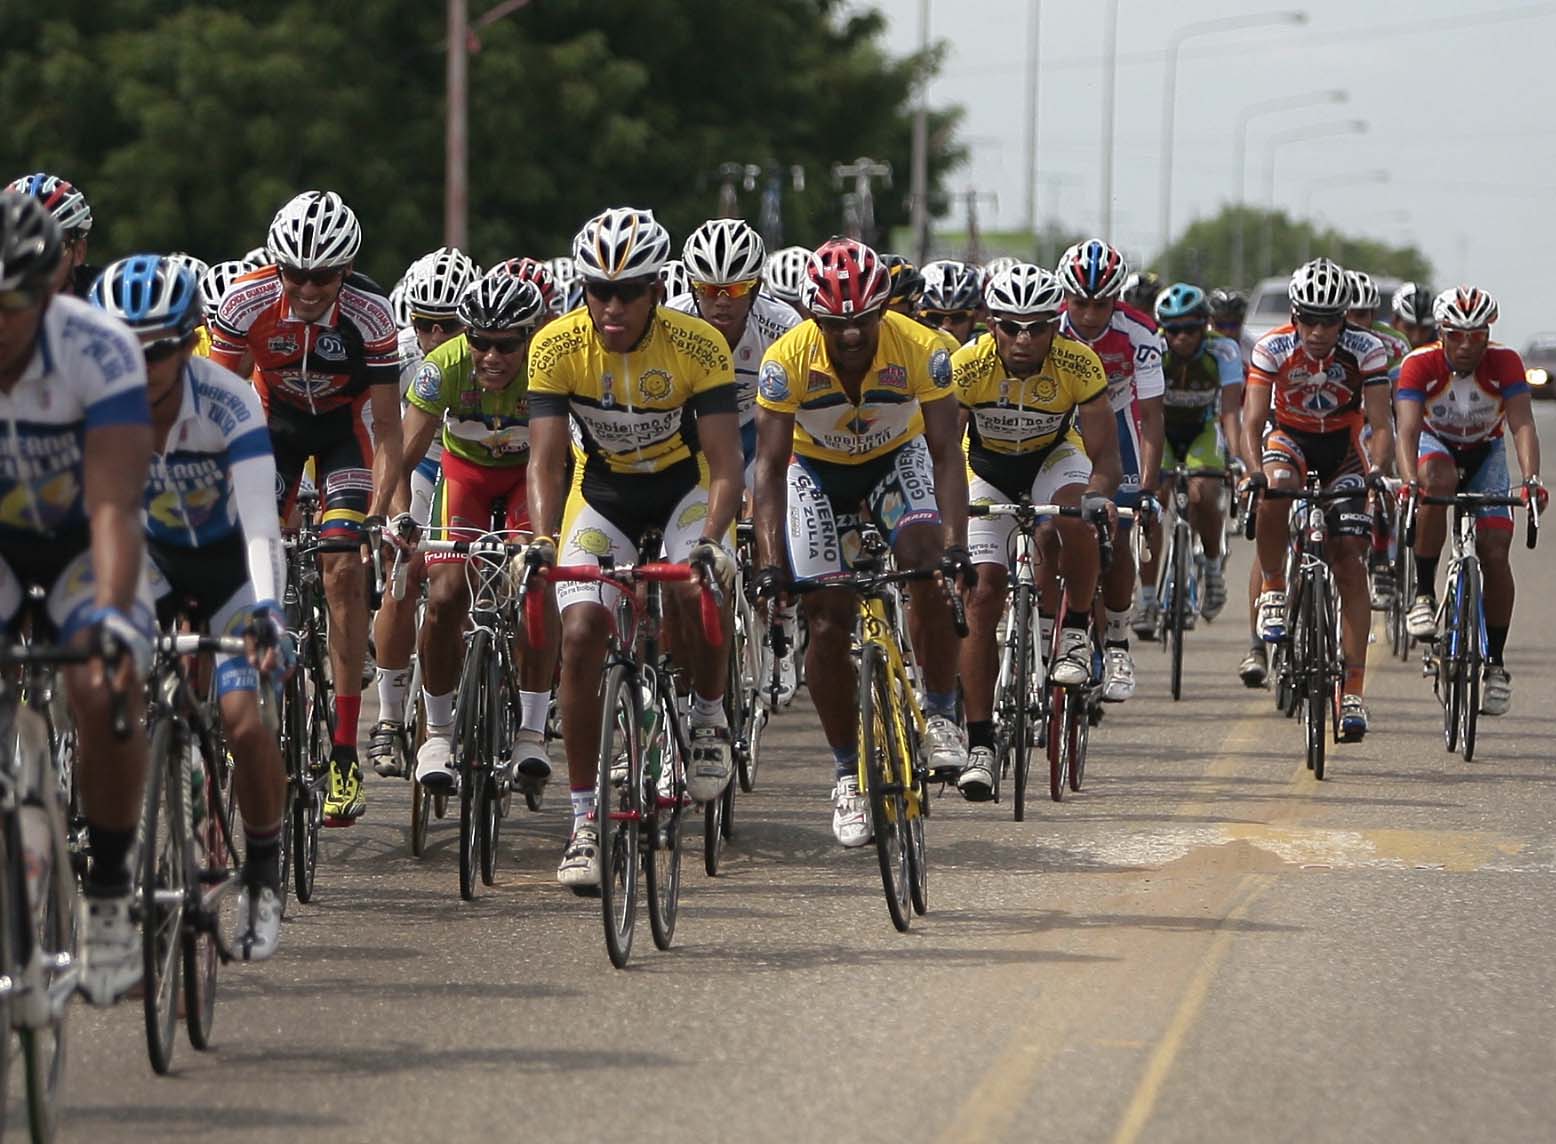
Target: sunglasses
(299,277)
(727,289)
(1036,328)
(630,291)
(1322,321)
(504,346)
(940,318)
(14,301)
(1183,328)
(837,323)
(163,348)
(428,325)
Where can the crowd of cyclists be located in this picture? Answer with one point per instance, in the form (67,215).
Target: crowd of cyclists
(162,415)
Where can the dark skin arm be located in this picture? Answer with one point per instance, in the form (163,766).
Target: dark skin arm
(548,445)
(774,443)
(419,428)
(943,435)
(719,437)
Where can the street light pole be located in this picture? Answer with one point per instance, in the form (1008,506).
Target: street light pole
(1034,24)
(919,176)
(1109,84)
(1275,143)
(1246,116)
(455,166)
(1170,102)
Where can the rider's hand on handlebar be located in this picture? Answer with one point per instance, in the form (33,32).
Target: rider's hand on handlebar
(771,583)
(712,554)
(270,647)
(956,564)
(1253,482)
(403,532)
(1532,488)
(120,640)
(1095,504)
(541,552)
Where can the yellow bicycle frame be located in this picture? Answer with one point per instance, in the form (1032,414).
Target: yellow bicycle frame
(872,628)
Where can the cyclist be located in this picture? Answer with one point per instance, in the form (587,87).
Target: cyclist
(74,215)
(1092,274)
(78,439)
(215,545)
(533,270)
(320,342)
(1412,305)
(1456,399)
(952,298)
(1365,301)
(1201,412)
(1228,313)
(1141,289)
(677,285)
(1030,396)
(432,290)
(850,415)
(1317,381)
(907,285)
(472,392)
(214,284)
(783,277)
(653,394)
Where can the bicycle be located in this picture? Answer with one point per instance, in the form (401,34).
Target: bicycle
(892,772)
(1179,568)
(1309,668)
(1455,659)
(644,748)
(1403,565)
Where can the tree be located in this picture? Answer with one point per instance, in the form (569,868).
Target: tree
(187,124)
(1275,244)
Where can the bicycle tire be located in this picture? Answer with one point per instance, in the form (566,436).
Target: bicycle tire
(43,1049)
(661,837)
(308,811)
(888,809)
(1470,620)
(202,956)
(421,797)
(1058,741)
(1404,596)
(467,761)
(1018,743)
(9,965)
(918,811)
(164,866)
(619,810)
(497,737)
(1080,739)
(1318,690)
(1180,596)
(1450,668)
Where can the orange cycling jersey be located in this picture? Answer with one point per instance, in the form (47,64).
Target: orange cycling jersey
(315,367)
(1313,396)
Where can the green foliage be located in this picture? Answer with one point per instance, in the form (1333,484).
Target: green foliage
(187,124)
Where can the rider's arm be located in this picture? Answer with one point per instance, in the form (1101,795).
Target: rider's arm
(1150,385)
(1375,400)
(418,429)
(1526,441)
(548,446)
(252,466)
(1099,429)
(1229,364)
(1256,411)
(384,401)
(229,341)
(774,443)
(942,433)
(718,434)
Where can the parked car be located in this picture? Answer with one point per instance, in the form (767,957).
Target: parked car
(1540,366)
(1269,306)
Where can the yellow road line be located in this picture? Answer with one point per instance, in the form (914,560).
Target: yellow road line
(1149,1090)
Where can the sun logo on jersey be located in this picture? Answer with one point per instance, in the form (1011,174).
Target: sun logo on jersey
(655,385)
(691,514)
(592,542)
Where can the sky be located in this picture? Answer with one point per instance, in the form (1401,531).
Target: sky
(1455,94)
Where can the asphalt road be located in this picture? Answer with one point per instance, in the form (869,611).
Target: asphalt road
(1205,944)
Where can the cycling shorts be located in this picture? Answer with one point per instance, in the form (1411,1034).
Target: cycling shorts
(340,444)
(829,503)
(209,587)
(62,567)
(988,537)
(1198,450)
(1481,468)
(1338,460)
(1128,494)
(462,506)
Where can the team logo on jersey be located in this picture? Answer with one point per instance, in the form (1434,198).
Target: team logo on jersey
(655,384)
(894,377)
(331,347)
(691,514)
(817,382)
(1004,393)
(428,381)
(282,344)
(773,383)
(592,542)
(607,396)
(940,368)
(1047,390)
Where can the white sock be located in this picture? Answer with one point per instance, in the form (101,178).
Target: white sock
(707,711)
(533,706)
(1045,633)
(393,683)
(583,806)
(440,708)
(1118,625)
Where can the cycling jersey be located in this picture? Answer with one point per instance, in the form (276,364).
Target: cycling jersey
(202,348)
(1318,397)
(1462,412)
(1395,344)
(911,366)
(313,367)
(1131,353)
(1194,385)
(767,322)
(486,427)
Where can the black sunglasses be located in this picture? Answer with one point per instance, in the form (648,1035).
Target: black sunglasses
(1183,328)
(1014,329)
(837,323)
(501,345)
(629,291)
(163,348)
(428,325)
(298,277)
(1308,318)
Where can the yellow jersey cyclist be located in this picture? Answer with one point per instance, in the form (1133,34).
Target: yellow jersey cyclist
(1201,413)
(1029,395)
(852,420)
(77,431)
(652,392)
(473,392)
(215,546)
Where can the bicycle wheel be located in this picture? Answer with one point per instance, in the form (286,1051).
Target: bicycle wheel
(885,774)
(661,837)
(468,764)
(54,932)
(1058,741)
(619,809)
(308,807)
(1450,670)
(1471,619)
(1080,738)
(1404,596)
(421,797)
(918,809)
(164,886)
(1018,745)
(214,864)
(498,736)
(1179,605)
(1312,619)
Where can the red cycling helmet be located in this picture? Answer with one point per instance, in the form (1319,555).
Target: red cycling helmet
(532,270)
(846,277)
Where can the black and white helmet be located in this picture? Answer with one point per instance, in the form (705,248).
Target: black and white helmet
(786,273)
(315,231)
(436,282)
(1364,291)
(1022,289)
(1464,308)
(259,256)
(499,301)
(216,281)
(677,283)
(1413,303)
(722,251)
(623,242)
(30,242)
(1319,287)
(951,285)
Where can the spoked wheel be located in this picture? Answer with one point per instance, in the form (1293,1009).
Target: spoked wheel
(498,733)
(1179,606)
(308,806)
(886,773)
(164,886)
(488,827)
(1060,714)
(421,797)
(214,864)
(619,811)
(468,762)
(1080,738)
(54,930)
(918,811)
(1318,691)
(1470,656)
(712,834)
(661,835)
(1018,749)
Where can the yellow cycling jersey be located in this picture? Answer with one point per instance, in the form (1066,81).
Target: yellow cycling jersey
(948,339)
(202,342)
(1010,416)
(636,411)
(911,366)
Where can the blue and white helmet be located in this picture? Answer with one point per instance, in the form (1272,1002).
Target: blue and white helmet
(150,293)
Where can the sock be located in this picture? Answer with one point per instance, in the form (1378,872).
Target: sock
(348,709)
(1075,620)
(262,855)
(393,683)
(940,703)
(707,711)
(533,706)
(1355,676)
(980,733)
(583,806)
(846,759)
(1147,596)
(1426,575)
(110,875)
(1496,642)
(440,709)
(1045,633)
(1118,627)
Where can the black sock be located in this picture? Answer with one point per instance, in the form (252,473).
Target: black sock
(1496,643)
(980,733)
(1075,619)
(110,874)
(1426,575)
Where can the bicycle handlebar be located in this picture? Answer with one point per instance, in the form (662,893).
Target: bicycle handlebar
(659,572)
(1028,513)
(1472,500)
(192,644)
(1317,496)
(867,581)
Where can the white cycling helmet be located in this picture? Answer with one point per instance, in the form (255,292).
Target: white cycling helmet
(722,251)
(676,281)
(197,266)
(61,199)
(785,274)
(435,282)
(259,256)
(1093,269)
(1024,289)
(622,242)
(1464,308)
(1320,287)
(216,281)
(315,231)
(564,270)
(996,266)
(1413,302)
(1364,291)
(951,285)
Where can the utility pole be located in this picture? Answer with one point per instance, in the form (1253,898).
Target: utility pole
(974,237)
(918,192)
(1109,93)
(456,194)
(1034,26)
(863,171)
